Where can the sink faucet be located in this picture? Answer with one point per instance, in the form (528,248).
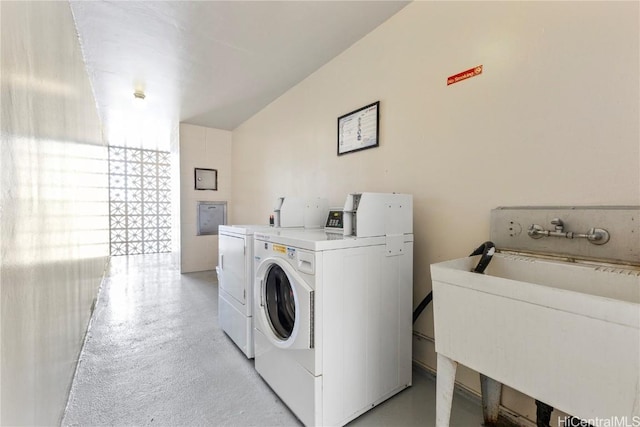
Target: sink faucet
(597,236)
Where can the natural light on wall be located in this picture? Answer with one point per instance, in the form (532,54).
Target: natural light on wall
(66,183)
(54,205)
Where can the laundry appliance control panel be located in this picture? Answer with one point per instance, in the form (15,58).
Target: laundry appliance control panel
(335,221)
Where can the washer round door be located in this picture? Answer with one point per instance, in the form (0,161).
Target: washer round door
(280,305)
(286,305)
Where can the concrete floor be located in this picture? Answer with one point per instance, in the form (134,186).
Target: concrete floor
(155,355)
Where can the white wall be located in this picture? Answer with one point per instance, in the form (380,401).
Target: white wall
(207,148)
(54,209)
(553,120)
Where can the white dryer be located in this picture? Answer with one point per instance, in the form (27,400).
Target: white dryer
(235,279)
(235,265)
(333,314)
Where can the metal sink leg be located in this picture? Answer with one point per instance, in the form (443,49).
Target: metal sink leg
(491,393)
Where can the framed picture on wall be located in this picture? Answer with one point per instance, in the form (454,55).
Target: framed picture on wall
(206,179)
(359,130)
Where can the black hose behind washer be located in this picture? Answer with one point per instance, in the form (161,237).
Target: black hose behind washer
(423,304)
(487,249)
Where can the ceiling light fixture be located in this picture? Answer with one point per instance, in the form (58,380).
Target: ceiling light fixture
(138,96)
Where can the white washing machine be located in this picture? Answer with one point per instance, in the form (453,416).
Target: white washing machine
(333,313)
(235,265)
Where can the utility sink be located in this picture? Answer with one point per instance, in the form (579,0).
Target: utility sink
(564,333)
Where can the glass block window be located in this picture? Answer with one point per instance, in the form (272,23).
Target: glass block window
(139,201)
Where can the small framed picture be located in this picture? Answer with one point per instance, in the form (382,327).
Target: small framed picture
(206,179)
(358,130)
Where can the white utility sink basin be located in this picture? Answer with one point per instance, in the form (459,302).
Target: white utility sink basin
(567,334)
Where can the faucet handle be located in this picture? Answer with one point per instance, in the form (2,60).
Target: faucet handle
(558,223)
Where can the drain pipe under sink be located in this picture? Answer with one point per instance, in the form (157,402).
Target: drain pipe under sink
(543,414)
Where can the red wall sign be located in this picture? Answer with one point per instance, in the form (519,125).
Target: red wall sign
(471,72)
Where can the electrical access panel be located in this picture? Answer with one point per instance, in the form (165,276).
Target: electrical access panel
(210,216)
